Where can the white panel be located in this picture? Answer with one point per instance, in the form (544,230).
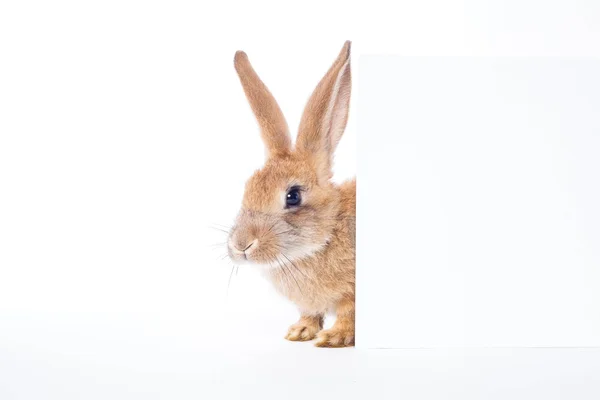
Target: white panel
(478,202)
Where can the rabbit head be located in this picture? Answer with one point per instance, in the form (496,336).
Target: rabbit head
(290,206)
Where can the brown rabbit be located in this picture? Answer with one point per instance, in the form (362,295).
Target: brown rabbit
(295,224)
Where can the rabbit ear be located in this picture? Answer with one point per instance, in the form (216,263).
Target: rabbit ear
(273,127)
(326,113)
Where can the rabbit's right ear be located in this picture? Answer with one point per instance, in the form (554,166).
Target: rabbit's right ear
(326,113)
(273,127)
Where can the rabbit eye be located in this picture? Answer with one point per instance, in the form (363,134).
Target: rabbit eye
(293,197)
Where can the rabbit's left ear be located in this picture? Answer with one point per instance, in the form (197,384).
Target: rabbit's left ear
(273,127)
(326,113)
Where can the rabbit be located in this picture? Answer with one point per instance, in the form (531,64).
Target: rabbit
(295,225)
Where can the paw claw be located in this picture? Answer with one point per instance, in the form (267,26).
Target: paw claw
(301,333)
(335,338)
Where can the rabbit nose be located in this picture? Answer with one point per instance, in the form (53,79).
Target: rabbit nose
(251,246)
(245,249)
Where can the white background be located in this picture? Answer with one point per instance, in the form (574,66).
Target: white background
(484,174)
(124,135)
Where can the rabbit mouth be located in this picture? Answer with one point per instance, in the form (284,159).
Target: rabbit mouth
(272,255)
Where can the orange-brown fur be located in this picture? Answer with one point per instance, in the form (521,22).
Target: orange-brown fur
(307,252)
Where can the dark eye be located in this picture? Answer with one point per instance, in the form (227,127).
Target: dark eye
(293,198)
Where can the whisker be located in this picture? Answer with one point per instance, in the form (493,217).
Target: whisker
(219,229)
(292,275)
(284,232)
(272,226)
(229,282)
(282,268)
(295,266)
(221,225)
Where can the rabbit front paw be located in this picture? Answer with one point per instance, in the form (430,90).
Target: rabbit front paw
(305,329)
(335,337)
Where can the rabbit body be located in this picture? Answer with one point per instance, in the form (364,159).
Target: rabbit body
(295,225)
